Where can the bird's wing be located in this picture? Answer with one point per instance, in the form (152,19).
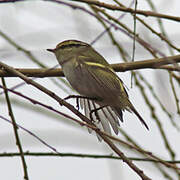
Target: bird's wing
(102,73)
(106,77)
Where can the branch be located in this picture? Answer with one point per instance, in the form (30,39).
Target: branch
(129,10)
(113,7)
(157,63)
(15,128)
(83,156)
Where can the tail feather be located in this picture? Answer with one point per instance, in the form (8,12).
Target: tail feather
(139,116)
(118,112)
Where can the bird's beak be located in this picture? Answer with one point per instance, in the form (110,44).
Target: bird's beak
(51,50)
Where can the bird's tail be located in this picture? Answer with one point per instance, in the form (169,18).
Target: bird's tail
(132,108)
(118,112)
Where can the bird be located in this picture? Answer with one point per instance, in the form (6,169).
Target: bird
(100,88)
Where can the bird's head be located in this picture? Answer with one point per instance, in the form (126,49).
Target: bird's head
(68,49)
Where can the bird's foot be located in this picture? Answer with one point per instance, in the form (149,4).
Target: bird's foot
(95,111)
(77,97)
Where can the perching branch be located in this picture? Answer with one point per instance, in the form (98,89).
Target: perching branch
(157,63)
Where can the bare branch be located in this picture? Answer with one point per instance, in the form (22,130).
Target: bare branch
(15,128)
(129,10)
(95,156)
(157,63)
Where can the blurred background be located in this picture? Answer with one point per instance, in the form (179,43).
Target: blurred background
(27,29)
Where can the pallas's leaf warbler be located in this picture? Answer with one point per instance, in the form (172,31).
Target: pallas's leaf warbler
(92,77)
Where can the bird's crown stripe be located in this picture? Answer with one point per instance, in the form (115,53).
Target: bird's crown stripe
(68,44)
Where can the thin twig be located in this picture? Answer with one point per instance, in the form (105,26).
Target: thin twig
(31,57)
(31,133)
(154,116)
(174,93)
(14,154)
(129,10)
(18,142)
(162,36)
(113,7)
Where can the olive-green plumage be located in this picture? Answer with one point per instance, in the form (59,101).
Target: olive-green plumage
(92,76)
